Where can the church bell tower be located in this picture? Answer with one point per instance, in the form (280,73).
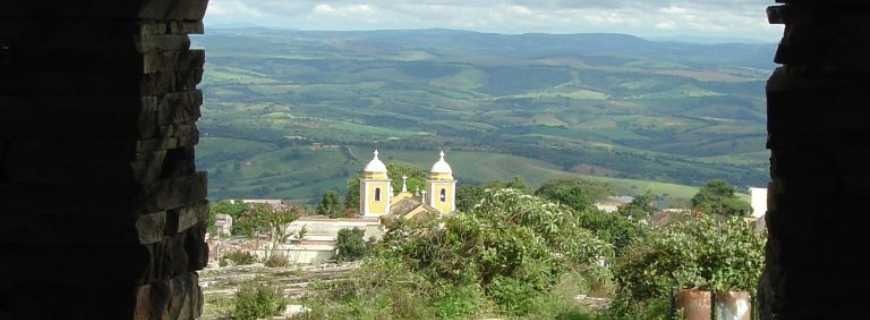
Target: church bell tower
(441,187)
(375,192)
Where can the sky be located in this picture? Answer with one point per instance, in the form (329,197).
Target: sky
(701,20)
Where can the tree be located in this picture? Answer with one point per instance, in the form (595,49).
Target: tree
(575,193)
(234,209)
(330,206)
(516,183)
(719,198)
(512,245)
(416,176)
(641,208)
(262,218)
(712,254)
(468,196)
(351,244)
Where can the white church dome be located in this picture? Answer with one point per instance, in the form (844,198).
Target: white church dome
(376,165)
(442,167)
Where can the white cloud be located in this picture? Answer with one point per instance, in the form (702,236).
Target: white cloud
(722,18)
(666,25)
(324,9)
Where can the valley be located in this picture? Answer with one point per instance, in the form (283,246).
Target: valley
(293,114)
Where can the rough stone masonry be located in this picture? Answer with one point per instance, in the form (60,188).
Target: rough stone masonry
(102,211)
(819,135)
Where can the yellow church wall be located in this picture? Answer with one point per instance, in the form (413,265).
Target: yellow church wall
(448,205)
(375,207)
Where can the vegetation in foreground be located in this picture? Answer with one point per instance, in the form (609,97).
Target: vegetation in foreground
(527,256)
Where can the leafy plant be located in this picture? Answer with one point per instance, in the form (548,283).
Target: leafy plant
(262,218)
(302,232)
(233,209)
(706,252)
(577,194)
(239,258)
(351,244)
(514,246)
(330,206)
(641,208)
(277,261)
(718,197)
(256,301)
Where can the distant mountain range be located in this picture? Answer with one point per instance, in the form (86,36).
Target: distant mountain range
(580,104)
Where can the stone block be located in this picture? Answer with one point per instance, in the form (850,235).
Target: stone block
(32,169)
(133,117)
(123,199)
(73,85)
(189,216)
(172,193)
(95,61)
(99,228)
(177,298)
(151,227)
(131,9)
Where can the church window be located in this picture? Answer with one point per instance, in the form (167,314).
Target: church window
(443,195)
(378,194)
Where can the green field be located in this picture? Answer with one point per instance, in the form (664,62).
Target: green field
(303,173)
(619,108)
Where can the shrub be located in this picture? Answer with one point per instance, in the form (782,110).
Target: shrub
(277,261)
(514,246)
(330,206)
(383,289)
(351,244)
(705,252)
(577,194)
(618,230)
(302,232)
(458,302)
(233,209)
(239,258)
(255,301)
(508,255)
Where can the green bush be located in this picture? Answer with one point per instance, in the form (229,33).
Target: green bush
(383,289)
(458,302)
(277,261)
(615,229)
(255,301)
(232,209)
(577,194)
(512,245)
(717,197)
(717,254)
(351,244)
(239,258)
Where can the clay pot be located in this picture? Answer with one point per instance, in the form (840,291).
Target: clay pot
(733,305)
(693,304)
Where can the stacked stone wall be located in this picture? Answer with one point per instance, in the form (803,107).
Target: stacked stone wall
(819,135)
(102,210)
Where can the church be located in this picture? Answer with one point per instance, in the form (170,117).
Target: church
(378,200)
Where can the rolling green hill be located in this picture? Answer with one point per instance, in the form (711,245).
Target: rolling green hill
(537,106)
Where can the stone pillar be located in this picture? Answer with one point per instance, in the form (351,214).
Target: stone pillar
(819,125)
(102,211)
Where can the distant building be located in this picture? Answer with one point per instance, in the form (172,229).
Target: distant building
(377,198)
(759,207)
(274,203)
(759,202)
(612,204)
(224,225)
